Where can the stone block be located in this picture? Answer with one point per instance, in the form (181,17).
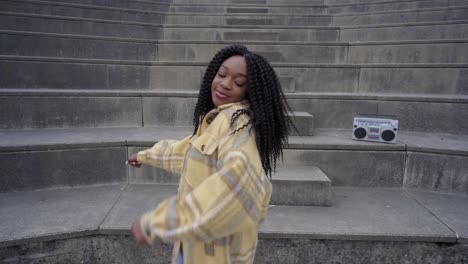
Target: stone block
(168,111)
(402,17)
(301,186)
(62,168)
(450,208)
(180,77)
(322,79)
(43,74)
(257,2)
(76,47)
(249,21)
(128,77)
(316,34)
(287,84)
(197,9)
(246,10)
(265,36)
(194,19)
(371,7)
(70,112)
(443,31)
(356,168)
(410,53)
(79,11)
(303,122)
(431,117)
(78,26)
(437,172)
(148,174)
(424,80)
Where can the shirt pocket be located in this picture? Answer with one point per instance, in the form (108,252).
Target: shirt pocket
(202,159)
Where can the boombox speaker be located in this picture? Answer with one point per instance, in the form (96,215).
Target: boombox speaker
(375,129)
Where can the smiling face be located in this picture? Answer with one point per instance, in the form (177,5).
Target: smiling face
(230,83)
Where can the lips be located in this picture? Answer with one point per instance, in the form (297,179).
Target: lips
(221,95)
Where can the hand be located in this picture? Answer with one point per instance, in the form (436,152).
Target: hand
(137,235)
(132,161)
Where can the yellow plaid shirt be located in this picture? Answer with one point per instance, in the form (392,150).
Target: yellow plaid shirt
(223,192)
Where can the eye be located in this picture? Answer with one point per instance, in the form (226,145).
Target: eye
(221,74)
(240,84)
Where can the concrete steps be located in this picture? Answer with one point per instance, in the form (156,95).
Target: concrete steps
(80,46)
(295,77)
(100,27)
(92,224)
(51,158)
(77,25)
(391,5)
(205,7)
(402,16)
(237,15)
(80,109)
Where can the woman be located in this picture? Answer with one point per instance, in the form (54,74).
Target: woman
(241,127)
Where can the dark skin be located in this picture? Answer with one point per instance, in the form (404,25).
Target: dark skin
(136,230)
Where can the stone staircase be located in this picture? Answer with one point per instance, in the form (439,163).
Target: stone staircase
(84,84)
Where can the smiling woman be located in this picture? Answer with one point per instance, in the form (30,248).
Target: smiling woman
(241,126)
(230,83)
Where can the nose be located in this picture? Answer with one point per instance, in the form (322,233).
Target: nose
(226,83)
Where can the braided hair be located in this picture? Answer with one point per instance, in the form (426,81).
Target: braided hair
(268,105)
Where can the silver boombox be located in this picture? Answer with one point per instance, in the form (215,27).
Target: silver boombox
(375,129)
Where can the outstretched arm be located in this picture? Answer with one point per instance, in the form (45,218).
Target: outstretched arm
(166,154)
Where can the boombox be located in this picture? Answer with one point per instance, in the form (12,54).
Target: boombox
(375,129)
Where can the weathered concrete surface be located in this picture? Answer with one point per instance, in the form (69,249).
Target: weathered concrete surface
(59,213)
(168,111)
(54,139)
(134,202)
(447,118)
(255,2)
(81,26)
(296,251)
(317,53)
(250,33)
(119,249)
(410,53)
(247,19)
(303,124)
(161,5)
(306,185)
(27,72)
(436,172)
(356,168)
(76,167)
(435,143)
(70,112)
(405,32)
(86,11)
(64,74)
(54,45)
(383,6)
(359,214)
(415,80)
(450,208)
(199,8)
(402,16)
(383,225)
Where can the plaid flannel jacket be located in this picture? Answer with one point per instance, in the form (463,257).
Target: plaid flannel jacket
(223,192)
